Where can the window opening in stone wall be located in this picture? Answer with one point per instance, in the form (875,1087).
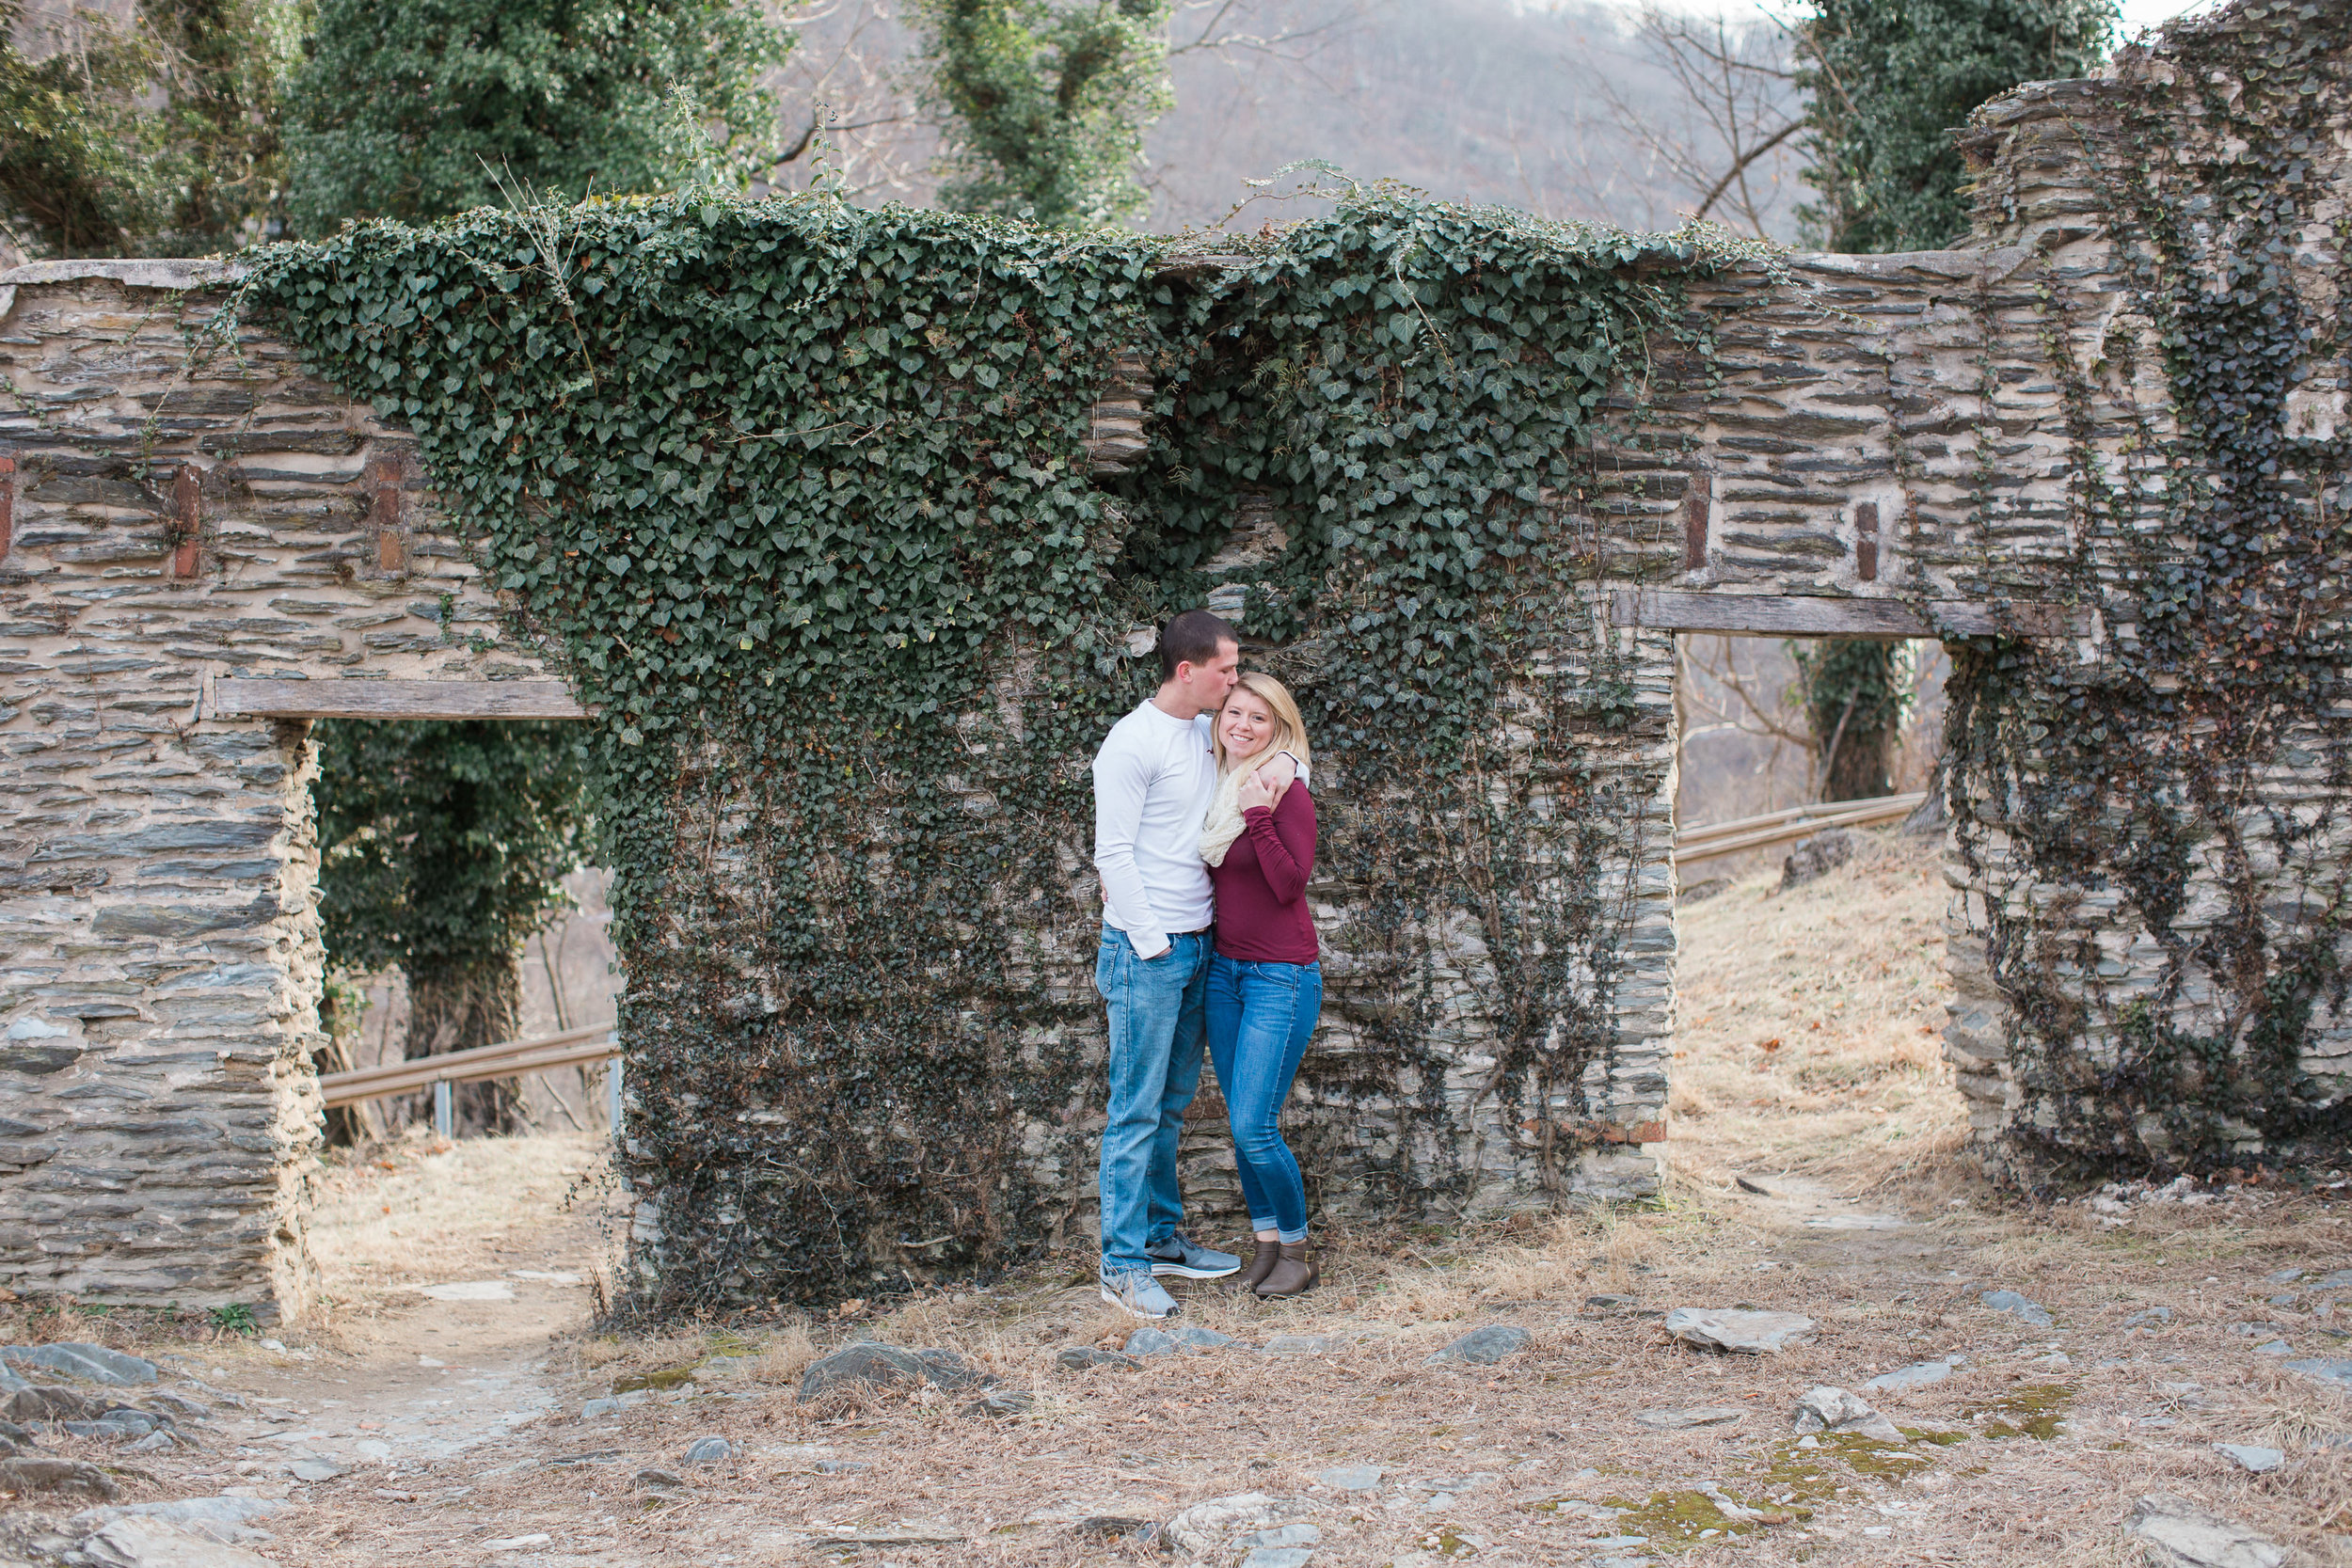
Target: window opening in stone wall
(1811,980)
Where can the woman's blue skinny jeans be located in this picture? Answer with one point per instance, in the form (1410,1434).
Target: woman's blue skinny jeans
(1259,1018)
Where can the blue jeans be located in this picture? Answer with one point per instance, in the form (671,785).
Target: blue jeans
(1156,1068)
(1259,1016)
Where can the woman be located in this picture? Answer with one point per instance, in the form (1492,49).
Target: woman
(1265,986)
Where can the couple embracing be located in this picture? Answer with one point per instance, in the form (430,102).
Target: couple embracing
(1204,835)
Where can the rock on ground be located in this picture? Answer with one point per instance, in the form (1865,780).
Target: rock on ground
(2017,1306)
(1484,1347)
(90,1363)
(1002,1402)
(22,1475)
(1816,857)
(1917,1375)
(1352,1477)
(223,1518)
(1079,1358)
(2259,1461)
(1679,1420)
(1748,1333)
(146,1542)
(1214,1527)
(2180,1534)
(1828,1409)
(874,1365)
(2326,1369)
(1184,1339)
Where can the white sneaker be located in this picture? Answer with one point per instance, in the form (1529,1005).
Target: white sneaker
(1136,1293)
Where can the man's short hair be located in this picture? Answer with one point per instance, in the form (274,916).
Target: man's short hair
(1192,637)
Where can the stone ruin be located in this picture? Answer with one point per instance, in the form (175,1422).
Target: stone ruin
(196,562)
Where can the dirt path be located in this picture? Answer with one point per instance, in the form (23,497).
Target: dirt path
(1819,1175)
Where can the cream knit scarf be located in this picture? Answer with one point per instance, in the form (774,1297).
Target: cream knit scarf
(1224,824)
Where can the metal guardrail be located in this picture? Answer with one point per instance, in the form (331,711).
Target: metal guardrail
(506,1060)
(1791,822)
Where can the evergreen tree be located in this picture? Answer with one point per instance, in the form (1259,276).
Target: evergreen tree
(153,134)
(1043,104)
(418,108)
(442,848)
(1888,81)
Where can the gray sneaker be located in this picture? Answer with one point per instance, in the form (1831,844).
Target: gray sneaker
(1181,1258)
(1134,1291)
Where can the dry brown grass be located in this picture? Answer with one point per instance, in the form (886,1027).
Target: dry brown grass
(1809,1024)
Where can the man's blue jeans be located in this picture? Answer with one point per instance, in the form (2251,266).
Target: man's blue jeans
(1156,1038)
(1259,1016)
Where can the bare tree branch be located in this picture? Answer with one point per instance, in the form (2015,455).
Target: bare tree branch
(1731,112)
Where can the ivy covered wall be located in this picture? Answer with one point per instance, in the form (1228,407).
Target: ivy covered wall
(2152,827)
(800,496)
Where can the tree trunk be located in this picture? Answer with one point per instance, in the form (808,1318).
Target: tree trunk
(1863,769)
(1854,702)
(456,1008)
(347,1126)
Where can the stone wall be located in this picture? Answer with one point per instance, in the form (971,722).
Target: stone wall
(162,526)
(1889,450)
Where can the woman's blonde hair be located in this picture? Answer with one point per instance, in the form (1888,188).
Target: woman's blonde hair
(1289,730)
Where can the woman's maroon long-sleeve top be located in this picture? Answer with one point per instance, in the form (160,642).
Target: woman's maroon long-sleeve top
(1261,914)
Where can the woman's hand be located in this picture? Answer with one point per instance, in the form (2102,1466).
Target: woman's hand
(1265,787)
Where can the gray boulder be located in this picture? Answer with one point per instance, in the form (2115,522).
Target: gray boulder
(2326,1369)
(1187,1340)
(1682,1420)
(90,1363)
(1484,1347)
(2017,1306)
(1917,1375)
(947,1370)
(1827,1409)
(2257,1460)
(2179,1534)
(228,1519)
(1745,1333)
(24,1474)
(864,1365)
(1079,1358)
(134,1541)
(1214,1527)
(1816,857)
(999,1402)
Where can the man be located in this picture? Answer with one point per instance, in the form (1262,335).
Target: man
(1153,781)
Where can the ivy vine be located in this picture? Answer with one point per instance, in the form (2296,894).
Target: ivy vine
(799,496)
(2160,829)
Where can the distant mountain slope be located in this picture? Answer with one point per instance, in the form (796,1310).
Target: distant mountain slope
(1469,99)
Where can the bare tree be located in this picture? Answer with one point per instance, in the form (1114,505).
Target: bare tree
(1721,144)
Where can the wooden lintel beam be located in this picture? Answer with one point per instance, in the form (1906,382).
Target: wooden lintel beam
(1792,615)
(349,699)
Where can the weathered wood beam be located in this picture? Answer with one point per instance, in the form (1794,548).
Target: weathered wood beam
(347,699)
(1790,615)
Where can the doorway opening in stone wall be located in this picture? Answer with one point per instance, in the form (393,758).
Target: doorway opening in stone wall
(1811,984)
(459,911)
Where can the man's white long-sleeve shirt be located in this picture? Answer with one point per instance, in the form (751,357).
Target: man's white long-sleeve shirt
(1153,781)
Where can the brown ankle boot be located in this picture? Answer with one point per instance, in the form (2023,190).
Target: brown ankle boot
(1260,1266)
(1294,1271)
